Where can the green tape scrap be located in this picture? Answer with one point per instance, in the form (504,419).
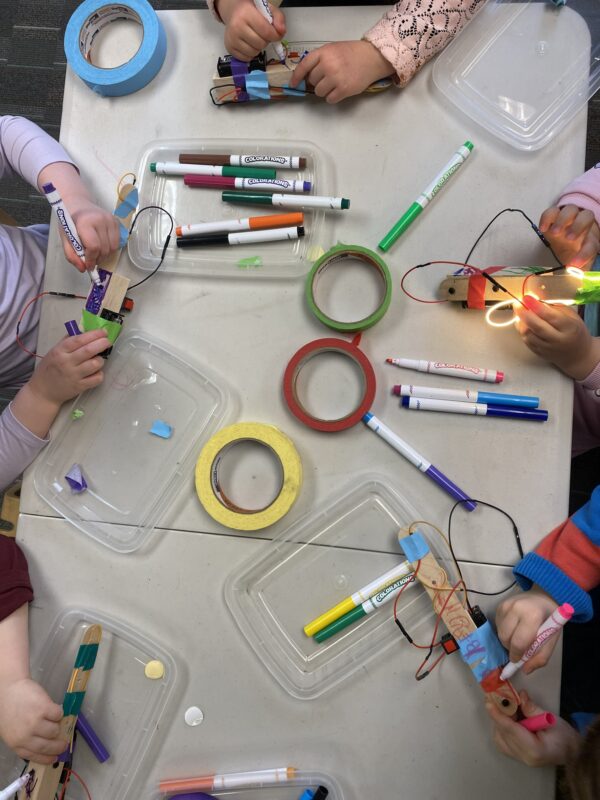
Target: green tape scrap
(589,291)
(77,413)
(86,656)
(72,703)
(253,261)
(92,322)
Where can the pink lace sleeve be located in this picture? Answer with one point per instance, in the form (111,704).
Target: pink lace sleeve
(213,11)
(413,31)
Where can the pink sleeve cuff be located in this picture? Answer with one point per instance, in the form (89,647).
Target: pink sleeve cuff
(213,10)
(593,379)
(584,192)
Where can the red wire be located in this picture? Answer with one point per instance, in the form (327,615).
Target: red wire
(23,312)
(81,781)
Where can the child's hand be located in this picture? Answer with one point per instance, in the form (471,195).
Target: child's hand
(553,746)
(247,32)
(341,69)
(29,721)
(517,621)
(558,334)
(573,233)
(98,231)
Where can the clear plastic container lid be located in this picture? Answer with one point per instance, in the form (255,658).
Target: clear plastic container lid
(132,475)
(290,789)
(188,205)
(523,70)
(309,568)
(125,708)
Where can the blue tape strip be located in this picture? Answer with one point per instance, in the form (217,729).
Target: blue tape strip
(257,85)
(414,546)
(482,651)
(123,235)
(88,19)
(299,91)
(128,205)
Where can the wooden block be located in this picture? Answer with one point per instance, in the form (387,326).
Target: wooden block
(115,293)
(546,287)
(10,508)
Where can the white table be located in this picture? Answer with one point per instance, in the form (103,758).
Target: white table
(384,149)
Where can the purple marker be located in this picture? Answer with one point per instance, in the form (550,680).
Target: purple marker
(476,409)
(91,738)
(72,328)
(417,460)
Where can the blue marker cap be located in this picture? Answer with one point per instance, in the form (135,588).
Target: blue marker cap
(405,401)
(367,416)
(307,794)
(534,414)
(307,186)
(499,399)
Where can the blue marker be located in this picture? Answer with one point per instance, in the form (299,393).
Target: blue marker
(476,409)
(417,460)
(467,396)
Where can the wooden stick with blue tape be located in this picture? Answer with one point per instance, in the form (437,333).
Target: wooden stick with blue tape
(46,777)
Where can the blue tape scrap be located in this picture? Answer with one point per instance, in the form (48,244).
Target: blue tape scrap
(482,651)
(76,480)
(257,85)
(162,429)
(125,208)
(299,91)
(414,546)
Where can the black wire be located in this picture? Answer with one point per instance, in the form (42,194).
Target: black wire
(166,244)
(234,100)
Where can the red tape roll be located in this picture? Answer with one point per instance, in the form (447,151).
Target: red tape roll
(311,350)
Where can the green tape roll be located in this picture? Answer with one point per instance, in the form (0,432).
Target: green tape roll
(339,253)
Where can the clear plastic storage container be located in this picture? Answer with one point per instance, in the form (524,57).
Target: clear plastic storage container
(125,708)
(309,568)
(132,475)
(188,205)
(523,70)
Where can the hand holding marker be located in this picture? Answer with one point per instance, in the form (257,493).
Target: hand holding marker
(549,628)
(263,7)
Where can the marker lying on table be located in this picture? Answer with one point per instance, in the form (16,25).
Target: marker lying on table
(243,224)
(286,200)
(358,597)
(66,223)
(258,160)
(174,168)
(245,237)
(231,780)
(466,396)
(559,617)
(371,604)
(453,370)
(257,184)
(475,409)
(417,460)
(423,200)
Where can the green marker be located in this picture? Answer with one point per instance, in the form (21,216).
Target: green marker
(175,168)
(376,600)
(423,200)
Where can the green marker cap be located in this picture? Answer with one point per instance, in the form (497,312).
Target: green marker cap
(399,228)
(153,166)
(469,145)
(345,203)
(341,623)
(262,198)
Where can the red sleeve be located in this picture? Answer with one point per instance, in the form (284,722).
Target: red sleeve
(15,586)
(574,553)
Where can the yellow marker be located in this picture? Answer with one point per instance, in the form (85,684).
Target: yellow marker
(358,598)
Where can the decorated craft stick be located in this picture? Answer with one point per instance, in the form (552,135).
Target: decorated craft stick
(47,777)
(477,292)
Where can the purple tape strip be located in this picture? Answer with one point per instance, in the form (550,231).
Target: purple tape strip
(72,328)
(239,70)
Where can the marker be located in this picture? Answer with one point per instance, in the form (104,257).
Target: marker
(466,395)
(173,168)
(256,160)
(454,370)
(417,460)
(247,237)
(559,617)
(15,786)
(66,223)
(370,605)
(91,738)
(231,780)
(356,599)
(476,409)
(258,184)
(311,794)
(423,200)
(286,201)
(265,10)
(541,722)
(244,224)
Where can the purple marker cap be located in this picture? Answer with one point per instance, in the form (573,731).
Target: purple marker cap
(307,186)
(72,328)
(451,488)
(48,188)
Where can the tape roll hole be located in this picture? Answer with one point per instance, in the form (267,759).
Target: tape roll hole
(329,385)
(348,289)
(111,37)
(247,476)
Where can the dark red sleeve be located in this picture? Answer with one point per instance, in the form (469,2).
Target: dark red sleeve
(15,586)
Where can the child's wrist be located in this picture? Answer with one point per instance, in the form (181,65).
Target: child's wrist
(380,66)
(581,367)
(34,409)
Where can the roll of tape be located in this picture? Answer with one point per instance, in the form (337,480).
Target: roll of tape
(339,253)
(209,490)
(89,19)
(312,349)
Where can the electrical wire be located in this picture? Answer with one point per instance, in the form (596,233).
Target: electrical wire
(165,245)
(24,311)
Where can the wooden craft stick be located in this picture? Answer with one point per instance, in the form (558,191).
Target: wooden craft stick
(110,262)
(115,293)
(10,508)
(546,287)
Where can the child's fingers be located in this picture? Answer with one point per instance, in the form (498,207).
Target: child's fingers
(536,324)
(279,21)
(304,68)
(72,343)
(260,26)
(90,367)
(53,712)
(28,755)
(114,235)
(88,351)
(252,40)
(589,251)
(555,317)
(548,217)
(92,381)
(47,730)
(580,226)
(565,218)
(47,747)
(541,658)
(325,86)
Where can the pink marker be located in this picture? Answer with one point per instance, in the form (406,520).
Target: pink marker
(559,617)
(541,722)
(256,184)
(454,370)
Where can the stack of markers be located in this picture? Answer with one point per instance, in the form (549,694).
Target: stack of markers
(256,177)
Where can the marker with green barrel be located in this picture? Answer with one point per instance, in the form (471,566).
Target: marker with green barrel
(423,200)
(384,596)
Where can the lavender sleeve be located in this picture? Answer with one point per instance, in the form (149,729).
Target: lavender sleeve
(20,444)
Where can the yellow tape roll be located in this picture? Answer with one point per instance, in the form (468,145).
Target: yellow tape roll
(215,501)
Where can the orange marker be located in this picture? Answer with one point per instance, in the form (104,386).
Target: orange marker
(246,224)
(232,780)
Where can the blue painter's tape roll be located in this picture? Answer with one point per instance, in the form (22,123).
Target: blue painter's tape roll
(89,19)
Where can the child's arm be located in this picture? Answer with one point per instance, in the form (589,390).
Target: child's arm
(28,717)
(247,32)
(71,367)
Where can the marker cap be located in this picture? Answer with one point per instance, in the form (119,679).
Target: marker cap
(345,202)
(566,611)
(153,166)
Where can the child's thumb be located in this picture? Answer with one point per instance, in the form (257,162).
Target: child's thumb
(528,707)
(279,21)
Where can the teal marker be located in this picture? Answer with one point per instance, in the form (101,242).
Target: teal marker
(423,200)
